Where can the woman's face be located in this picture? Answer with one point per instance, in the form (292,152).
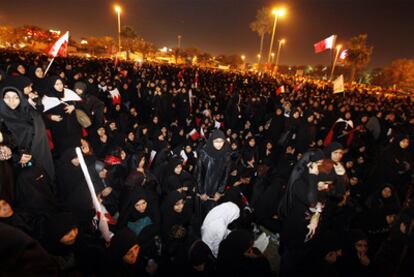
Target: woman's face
(58,85)
(70,237)
(179,206)
(101,131)
(252,142)
(337,155)
(141,206)
(404,143)
(5,209)
(131,136)
(155,120)
(21,69)
(11,99)
(131,256)
(386,192)
(39,72)
(361,247)
(218,143)
(178,169)
(188,149)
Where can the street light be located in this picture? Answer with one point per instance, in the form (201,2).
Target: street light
(338,49)
(277,13)
(118,11)
(179,41)
(281,42)
(273,57)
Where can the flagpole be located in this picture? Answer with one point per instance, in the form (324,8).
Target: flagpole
(47,68)
(332,54)
(338,48)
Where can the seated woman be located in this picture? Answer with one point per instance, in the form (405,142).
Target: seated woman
(141,216)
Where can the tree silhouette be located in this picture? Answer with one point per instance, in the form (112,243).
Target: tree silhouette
(359,54)
(262,25)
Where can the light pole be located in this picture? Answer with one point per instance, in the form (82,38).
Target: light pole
(243,57)
(118,11)
(179,41)
(273,58)
(276,13)
(281,42)
(338,48)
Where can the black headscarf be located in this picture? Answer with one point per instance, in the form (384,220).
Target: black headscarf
(171,217)
(20,120)
(121,242)
(50,90)
(211,150)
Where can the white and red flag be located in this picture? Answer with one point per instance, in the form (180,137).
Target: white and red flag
(194,134)
(280,90)
(328,43)
(60,48)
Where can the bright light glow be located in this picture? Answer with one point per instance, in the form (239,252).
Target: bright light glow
(338,47)
(243,57)
(258,55)
(279,12)
(118,8)
(84,41)
(282,41)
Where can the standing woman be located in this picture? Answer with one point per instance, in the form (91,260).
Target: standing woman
(27,129)
(212,171)
(61,119)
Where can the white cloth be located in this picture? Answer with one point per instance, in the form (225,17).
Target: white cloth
(214,229)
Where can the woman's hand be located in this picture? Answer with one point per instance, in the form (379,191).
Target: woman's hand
(363,258)
(69,109)
(25,158)
(56,118)
(312,227)
(313,168)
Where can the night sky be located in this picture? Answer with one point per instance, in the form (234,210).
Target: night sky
(222,26)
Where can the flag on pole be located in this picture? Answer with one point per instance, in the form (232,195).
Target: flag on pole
(103,216)
(280,90)
(194,135)
(190,99)
(325,44)
(60,48)
(338,84)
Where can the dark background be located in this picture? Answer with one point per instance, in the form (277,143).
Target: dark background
(222,26)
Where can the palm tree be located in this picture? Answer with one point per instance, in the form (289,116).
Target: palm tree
(262,25)
(359,54)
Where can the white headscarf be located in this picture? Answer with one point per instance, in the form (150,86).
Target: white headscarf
(214,228)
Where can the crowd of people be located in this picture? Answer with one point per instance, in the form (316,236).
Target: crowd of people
(198,172)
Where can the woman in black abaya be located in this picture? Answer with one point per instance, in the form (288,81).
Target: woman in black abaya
(27,129)
(62,121)
(72,189)
(212,171)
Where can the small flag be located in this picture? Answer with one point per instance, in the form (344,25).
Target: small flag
(325,44)
(280,90)
(60,48)
(338,84)
(116,96)
(194,135)
(184,156)
(152,156)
